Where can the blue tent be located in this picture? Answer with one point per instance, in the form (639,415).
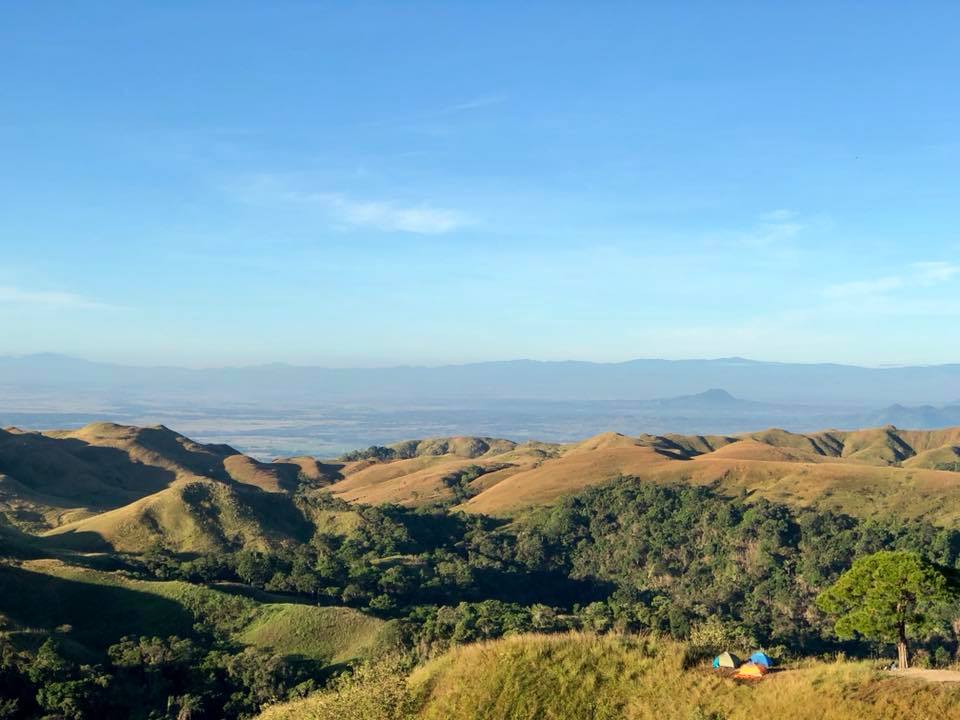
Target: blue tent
(761,658)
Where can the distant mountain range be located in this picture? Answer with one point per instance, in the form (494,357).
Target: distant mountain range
(717,404)
(922,416)
(278,409)
(792,383)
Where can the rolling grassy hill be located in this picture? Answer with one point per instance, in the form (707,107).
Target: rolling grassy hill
(194,516)
(95,608)
(533,677)
(116,487)
(113,487)
(912,474)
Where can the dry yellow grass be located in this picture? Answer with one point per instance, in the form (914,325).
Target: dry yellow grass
(775,465)
(271,477)
(124,485)
(193,515)
(578,676)
(139,525)
(317,472)
(573,471)
(860,490)
(419,480)
(752,449)
(859,472)
(406,482)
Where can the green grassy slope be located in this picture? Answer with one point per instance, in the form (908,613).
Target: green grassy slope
(629,678)
(98,608)
(101,607)
(331,634)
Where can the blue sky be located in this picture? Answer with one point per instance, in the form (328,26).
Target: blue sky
(208,183)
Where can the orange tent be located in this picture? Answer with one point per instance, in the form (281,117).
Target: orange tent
(751,671)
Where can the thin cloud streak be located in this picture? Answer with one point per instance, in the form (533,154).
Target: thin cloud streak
(10,295)
(476,103)
(773,231)
(390,217)
(919,274)
(931,273)
(383,215)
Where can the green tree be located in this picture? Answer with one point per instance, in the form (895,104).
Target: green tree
(887,596)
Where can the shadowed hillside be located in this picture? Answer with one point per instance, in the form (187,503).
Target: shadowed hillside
(190,516)
(118,487)
(100,608)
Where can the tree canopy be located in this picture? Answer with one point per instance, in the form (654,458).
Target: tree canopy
(888,596)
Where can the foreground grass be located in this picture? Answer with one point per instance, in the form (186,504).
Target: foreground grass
(605,678)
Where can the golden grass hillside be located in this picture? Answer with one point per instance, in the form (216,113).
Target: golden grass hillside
(53,478)
(124,488)
(117,487)
(587,677)
(881,471)
(197,516)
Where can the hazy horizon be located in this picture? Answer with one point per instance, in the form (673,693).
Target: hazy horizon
(281,410)
(489,361)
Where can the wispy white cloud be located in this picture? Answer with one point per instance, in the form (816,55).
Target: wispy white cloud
(771,231)
(342,209)
(390,216)
(860,288)
(476,103)
(931,273)
(919,274)
(10,295)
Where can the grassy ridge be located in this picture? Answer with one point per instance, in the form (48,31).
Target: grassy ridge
(535,677)
(201,516)
(111,487)
(102,607)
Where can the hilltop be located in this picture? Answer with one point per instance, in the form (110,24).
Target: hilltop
(619,678)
